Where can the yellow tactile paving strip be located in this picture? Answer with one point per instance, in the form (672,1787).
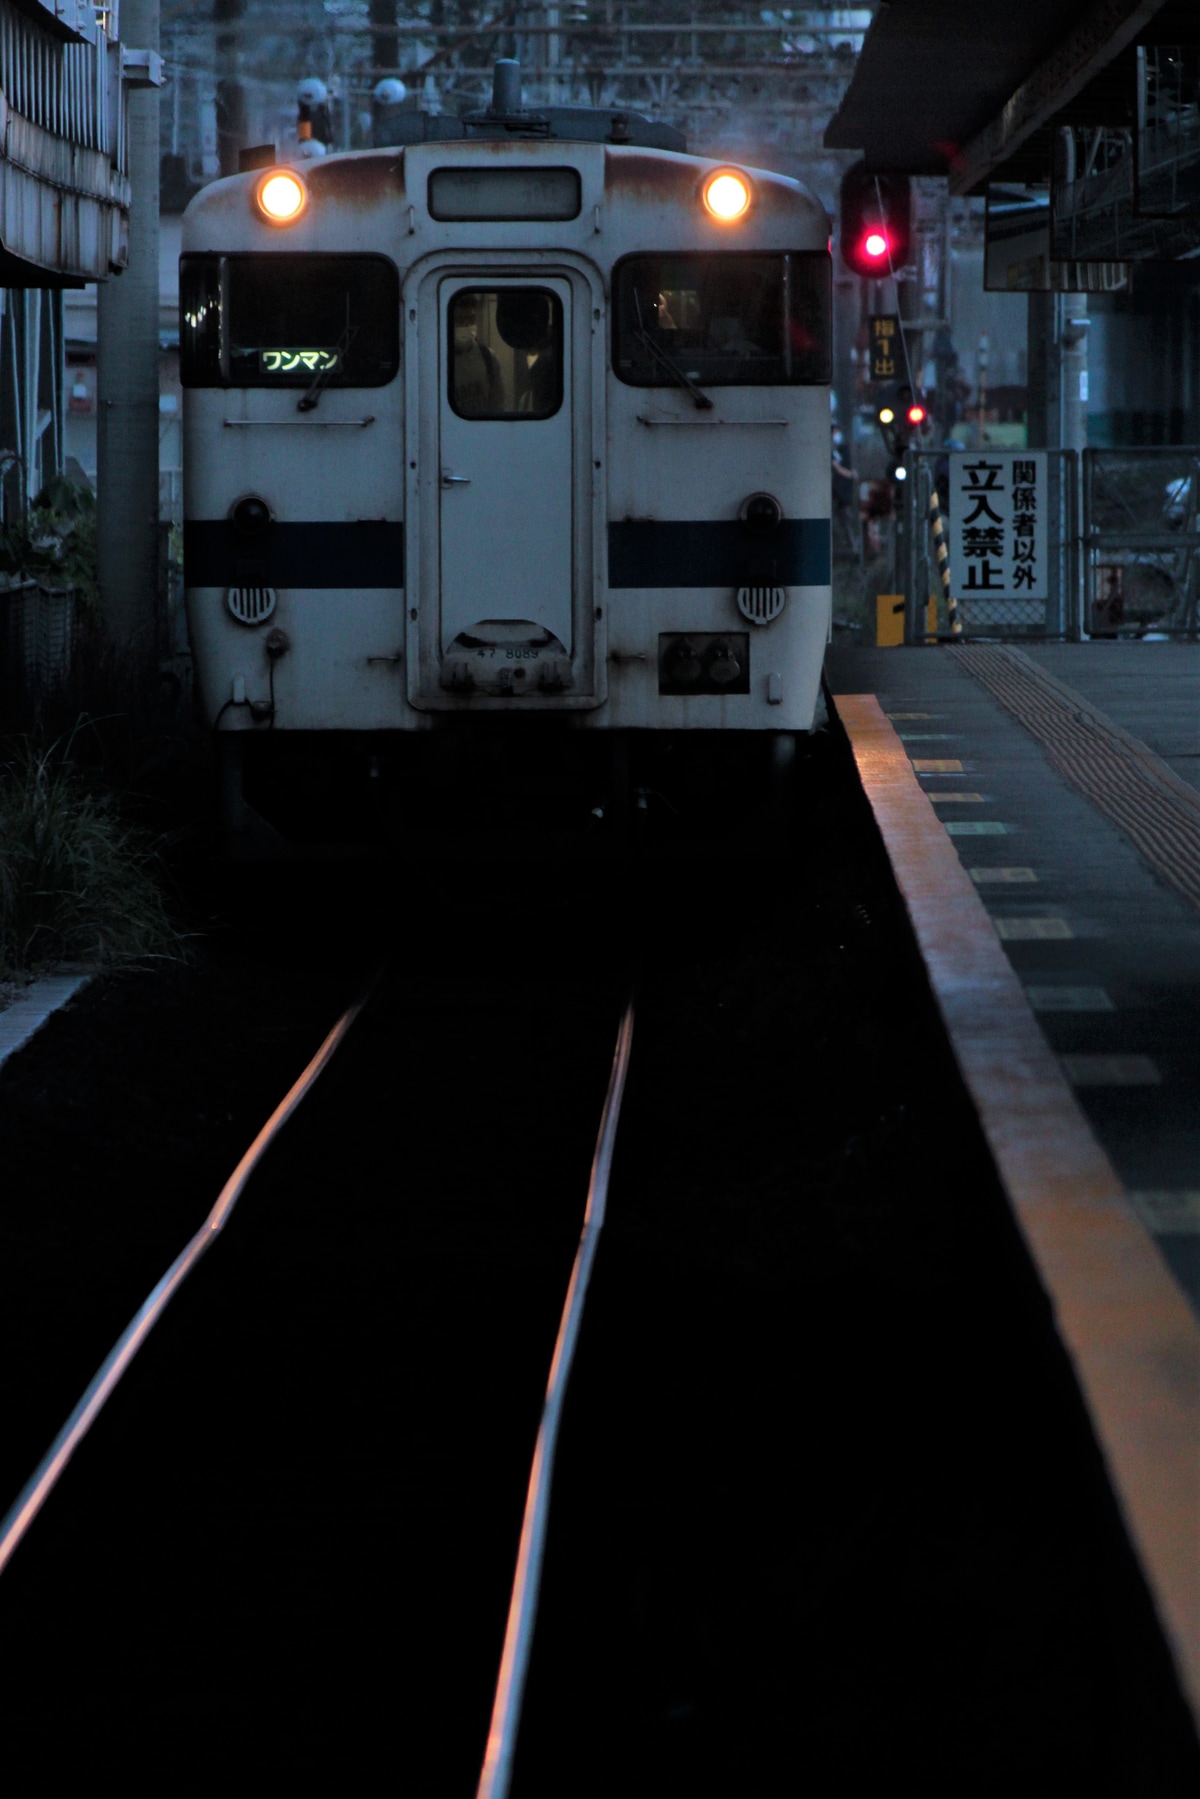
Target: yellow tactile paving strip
(1125,780)
(1133,1338)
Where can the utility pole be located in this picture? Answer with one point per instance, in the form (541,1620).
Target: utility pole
(385,41)
(127,378)
(231,95)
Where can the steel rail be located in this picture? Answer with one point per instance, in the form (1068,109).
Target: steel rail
(46,1476)
(496,1776)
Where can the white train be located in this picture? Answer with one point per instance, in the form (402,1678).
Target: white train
(526,415)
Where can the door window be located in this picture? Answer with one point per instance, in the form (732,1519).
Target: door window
(505,352)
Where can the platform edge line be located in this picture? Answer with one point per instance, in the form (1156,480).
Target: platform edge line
(1128,1329)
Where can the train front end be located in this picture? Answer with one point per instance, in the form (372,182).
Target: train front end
(487,428)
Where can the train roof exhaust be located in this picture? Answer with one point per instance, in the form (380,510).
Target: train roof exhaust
(506,88)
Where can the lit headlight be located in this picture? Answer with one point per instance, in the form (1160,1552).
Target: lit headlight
(727,195)
(281,197)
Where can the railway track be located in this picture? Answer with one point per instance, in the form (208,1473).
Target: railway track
(318,1449)
(496,1777)
(824,1494)
(53,1465)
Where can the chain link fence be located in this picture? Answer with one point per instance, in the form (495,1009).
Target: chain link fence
(1141,541)
(1123,550)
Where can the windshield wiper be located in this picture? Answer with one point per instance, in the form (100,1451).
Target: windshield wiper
(703,403)
(311,397)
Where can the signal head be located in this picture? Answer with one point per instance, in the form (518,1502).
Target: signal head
(876,221)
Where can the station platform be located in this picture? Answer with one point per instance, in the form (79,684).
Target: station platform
(1041,809)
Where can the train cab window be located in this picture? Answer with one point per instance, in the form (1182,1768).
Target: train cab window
(505,352)
(282,320)
(725,319)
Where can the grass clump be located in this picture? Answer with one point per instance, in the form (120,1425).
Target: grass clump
(77,883)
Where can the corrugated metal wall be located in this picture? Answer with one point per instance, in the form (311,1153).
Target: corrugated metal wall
(64,192)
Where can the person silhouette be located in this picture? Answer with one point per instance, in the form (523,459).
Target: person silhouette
(525,321)
(478,383)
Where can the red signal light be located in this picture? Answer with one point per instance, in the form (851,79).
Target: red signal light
(875,215)
(916,415)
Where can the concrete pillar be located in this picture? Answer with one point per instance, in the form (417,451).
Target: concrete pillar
(1043,374)
(1074,386)
(1058,371)
(1058,408)
(127,384)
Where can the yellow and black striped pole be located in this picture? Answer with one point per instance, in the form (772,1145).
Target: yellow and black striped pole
(942,550)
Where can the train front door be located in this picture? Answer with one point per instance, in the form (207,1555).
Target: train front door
(506,482)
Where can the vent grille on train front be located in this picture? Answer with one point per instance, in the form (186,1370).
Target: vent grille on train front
(761,604)
(251,605)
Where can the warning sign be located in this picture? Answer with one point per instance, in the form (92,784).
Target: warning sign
(997,507)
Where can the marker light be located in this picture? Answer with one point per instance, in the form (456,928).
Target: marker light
(727,195)
(281,197)
(886,415)
(875,245)
(899,473)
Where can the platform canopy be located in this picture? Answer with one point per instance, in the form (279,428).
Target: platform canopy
(970,88)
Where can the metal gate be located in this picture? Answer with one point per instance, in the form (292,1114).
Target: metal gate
(1141,542)
(1124,550)
(926,619)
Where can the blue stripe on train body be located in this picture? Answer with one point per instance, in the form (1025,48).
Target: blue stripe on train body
(717,553)
(310,553)
(641,553)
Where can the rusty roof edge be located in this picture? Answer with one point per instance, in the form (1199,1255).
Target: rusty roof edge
(1109,27)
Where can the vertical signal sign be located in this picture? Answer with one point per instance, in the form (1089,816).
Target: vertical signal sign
(886,354)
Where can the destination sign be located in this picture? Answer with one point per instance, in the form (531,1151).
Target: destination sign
(299,362)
